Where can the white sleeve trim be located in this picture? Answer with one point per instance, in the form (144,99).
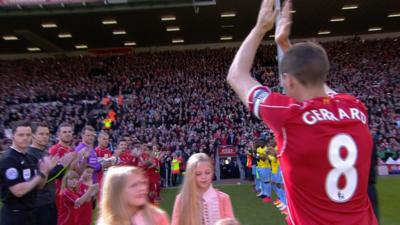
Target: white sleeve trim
(259,97)
(251,91)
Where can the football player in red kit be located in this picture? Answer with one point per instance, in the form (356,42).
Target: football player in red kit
(323,138)
(72,197)
(65,135)
(103,154)
(86,209)
(125,157)
(151,165)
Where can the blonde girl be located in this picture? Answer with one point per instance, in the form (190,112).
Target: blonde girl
(124,199)
(198,202)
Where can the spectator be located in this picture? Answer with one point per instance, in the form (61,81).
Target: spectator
(124,199)
(198,202)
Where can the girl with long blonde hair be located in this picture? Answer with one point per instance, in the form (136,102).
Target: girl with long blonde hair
(198,202)
(124,199)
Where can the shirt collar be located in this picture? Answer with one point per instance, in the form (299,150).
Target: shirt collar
(19,151)
(209,194)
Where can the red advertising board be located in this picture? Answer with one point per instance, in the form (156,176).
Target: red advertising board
(227,151)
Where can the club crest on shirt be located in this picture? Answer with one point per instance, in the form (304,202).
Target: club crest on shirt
(26,173)
(340,195)
(11,173)
(326,101)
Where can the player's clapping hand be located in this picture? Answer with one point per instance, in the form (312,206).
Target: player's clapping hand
(117,152)
(47,163)
(68,158)
(81,153)
(86,153)
(282,30)
(266,16)
(106,163)
(94,188)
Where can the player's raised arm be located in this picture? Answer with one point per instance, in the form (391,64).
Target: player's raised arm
(239,77)
(282,31)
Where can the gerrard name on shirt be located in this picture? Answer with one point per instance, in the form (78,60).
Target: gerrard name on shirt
(313,116)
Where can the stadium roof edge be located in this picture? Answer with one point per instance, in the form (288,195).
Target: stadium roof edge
(195,46)
(103,8)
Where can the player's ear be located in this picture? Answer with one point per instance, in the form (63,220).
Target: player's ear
(293,83)
(287,80)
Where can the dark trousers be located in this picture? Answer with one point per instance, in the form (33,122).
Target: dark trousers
(46,214)
(167,176)
(176,179)
(16,217)
(248,175)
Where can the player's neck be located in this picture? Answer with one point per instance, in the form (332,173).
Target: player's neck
(89,145)
(19,149)
(64,144)
(311,93)
(38,146)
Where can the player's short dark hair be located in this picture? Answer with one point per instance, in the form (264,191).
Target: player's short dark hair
(307,62)
(122,140)
(36,125)
(126,137)
(103,133)
(20,123)
(88,128)
(260,143)
(65,124)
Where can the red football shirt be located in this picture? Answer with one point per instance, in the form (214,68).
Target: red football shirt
(136,161)
(85,212)
(67,212)
(143,158)
(325,148)
(102,153)
(59,150)
(126,158)
(153,173)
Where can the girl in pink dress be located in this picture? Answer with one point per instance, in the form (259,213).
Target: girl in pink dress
(198,202)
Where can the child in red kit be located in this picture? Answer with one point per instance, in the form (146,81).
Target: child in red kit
(86,209)
(72,198)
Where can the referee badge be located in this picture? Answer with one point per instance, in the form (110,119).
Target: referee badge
(11,173)
(26,173)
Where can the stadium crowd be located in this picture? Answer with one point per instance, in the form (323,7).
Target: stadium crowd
(180,102)
(158,109)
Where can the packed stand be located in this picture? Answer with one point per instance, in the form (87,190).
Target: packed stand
(180,101)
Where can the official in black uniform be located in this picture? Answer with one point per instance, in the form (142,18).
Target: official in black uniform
(20,176)
(45,205)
